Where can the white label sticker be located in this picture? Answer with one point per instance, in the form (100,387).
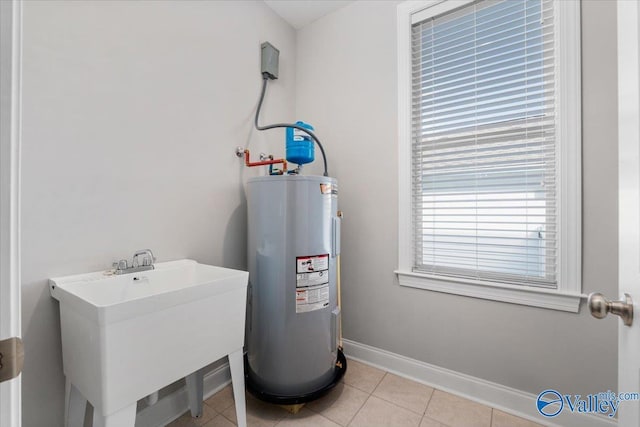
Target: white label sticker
(312,283)
(312,279)
(308,264)
(312,298)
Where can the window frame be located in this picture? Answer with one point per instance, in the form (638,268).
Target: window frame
(567,295)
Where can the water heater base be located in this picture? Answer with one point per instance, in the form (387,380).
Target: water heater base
(339,371)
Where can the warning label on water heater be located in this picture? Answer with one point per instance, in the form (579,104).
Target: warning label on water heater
(312,283)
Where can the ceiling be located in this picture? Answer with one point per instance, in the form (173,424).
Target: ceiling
(302,12)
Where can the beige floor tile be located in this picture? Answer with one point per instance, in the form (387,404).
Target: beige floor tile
(259,414)
(219,421)
(186,420)
(306,418)
(428,422)
(502,419)
(341,404)
(222,399)
(180,422)
(405,393)
(380,413)
(456,411)
(361,376)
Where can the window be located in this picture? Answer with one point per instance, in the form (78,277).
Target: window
(489,121)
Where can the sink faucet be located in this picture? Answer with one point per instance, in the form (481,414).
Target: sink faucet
(148,259)
(123,267)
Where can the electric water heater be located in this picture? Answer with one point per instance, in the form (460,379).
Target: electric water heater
(292,312)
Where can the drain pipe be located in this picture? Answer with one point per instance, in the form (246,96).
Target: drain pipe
(339,292)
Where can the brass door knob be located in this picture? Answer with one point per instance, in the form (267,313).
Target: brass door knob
(600,307)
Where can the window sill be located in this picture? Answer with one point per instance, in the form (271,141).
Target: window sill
(535,297)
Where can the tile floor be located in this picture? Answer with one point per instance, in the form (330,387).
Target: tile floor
(366,397)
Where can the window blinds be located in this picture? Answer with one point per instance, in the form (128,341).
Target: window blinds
(483,143)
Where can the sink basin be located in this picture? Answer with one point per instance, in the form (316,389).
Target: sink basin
(126,336)
(107,298)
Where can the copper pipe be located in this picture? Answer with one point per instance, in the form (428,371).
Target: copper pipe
(250,164)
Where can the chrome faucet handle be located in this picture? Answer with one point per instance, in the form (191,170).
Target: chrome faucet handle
(120,265)
(149,259)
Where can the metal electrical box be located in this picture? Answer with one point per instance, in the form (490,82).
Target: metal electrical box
(292,313)
(269,60)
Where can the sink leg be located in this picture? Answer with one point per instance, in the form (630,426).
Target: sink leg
(236,363)
(195,391)
(125,417)
(75,405)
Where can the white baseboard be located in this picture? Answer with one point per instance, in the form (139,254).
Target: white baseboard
(497,396)
(175,404)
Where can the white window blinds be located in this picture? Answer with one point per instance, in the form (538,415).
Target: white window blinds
(483,143)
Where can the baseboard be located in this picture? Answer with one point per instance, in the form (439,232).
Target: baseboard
(506,399)
(175,404)
(498,396)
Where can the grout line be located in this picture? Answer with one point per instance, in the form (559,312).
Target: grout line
(397,406)
(426,384)
(229,419)
(358,388)
(369,396)
(368,366)
(360,409)
(402,407)
(379,382)
(204,403)
(330,420)
(433,391)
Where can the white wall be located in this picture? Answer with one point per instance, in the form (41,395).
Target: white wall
(346,68)
(132,112)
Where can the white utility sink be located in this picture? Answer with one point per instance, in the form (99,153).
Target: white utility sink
(126,336)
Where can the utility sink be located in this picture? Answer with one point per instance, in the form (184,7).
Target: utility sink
(126,336)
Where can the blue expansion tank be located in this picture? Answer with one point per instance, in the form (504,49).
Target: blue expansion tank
(300,147)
